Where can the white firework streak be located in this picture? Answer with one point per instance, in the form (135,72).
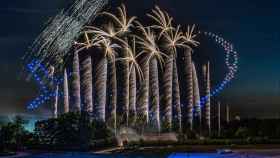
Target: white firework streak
(196,96)
(196,93)
(207,92)
(54,43)
(66,92)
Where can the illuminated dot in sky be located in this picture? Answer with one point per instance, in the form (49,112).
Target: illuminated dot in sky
(231,61)
(45,82)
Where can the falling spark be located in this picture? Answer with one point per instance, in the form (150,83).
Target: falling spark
(174,39)
(152,56)
(190,36)
(132,58)
(124,23)
(149,45)
(163,20)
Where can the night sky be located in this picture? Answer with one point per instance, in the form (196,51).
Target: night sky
(252,25)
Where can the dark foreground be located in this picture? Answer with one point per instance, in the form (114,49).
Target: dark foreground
(245,151)
(250,154)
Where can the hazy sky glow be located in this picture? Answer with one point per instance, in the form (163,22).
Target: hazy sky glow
(252,25)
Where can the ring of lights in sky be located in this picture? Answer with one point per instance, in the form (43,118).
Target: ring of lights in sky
(231,61)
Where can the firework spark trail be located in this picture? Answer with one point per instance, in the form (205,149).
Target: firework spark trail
(196,92)
(207,93)
(66,92)
(56,40)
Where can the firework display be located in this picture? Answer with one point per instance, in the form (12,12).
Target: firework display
(196,95)
(65,92)
(125,73)
(206,89)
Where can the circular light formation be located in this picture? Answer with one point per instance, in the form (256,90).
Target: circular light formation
(231,61)
(45,81)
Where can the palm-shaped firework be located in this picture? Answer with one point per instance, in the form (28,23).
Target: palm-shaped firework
(173,39)
(106,69)
(190,36)
(152,57)
(122,25)
(188,101)
(164,25)
(149,45)
(108,51)
(117,31)
(162,19)
(108,30)
(134,69)
(107,89)
(189,42)
(123,22)
(132,58)
(86,69)
(88,42)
